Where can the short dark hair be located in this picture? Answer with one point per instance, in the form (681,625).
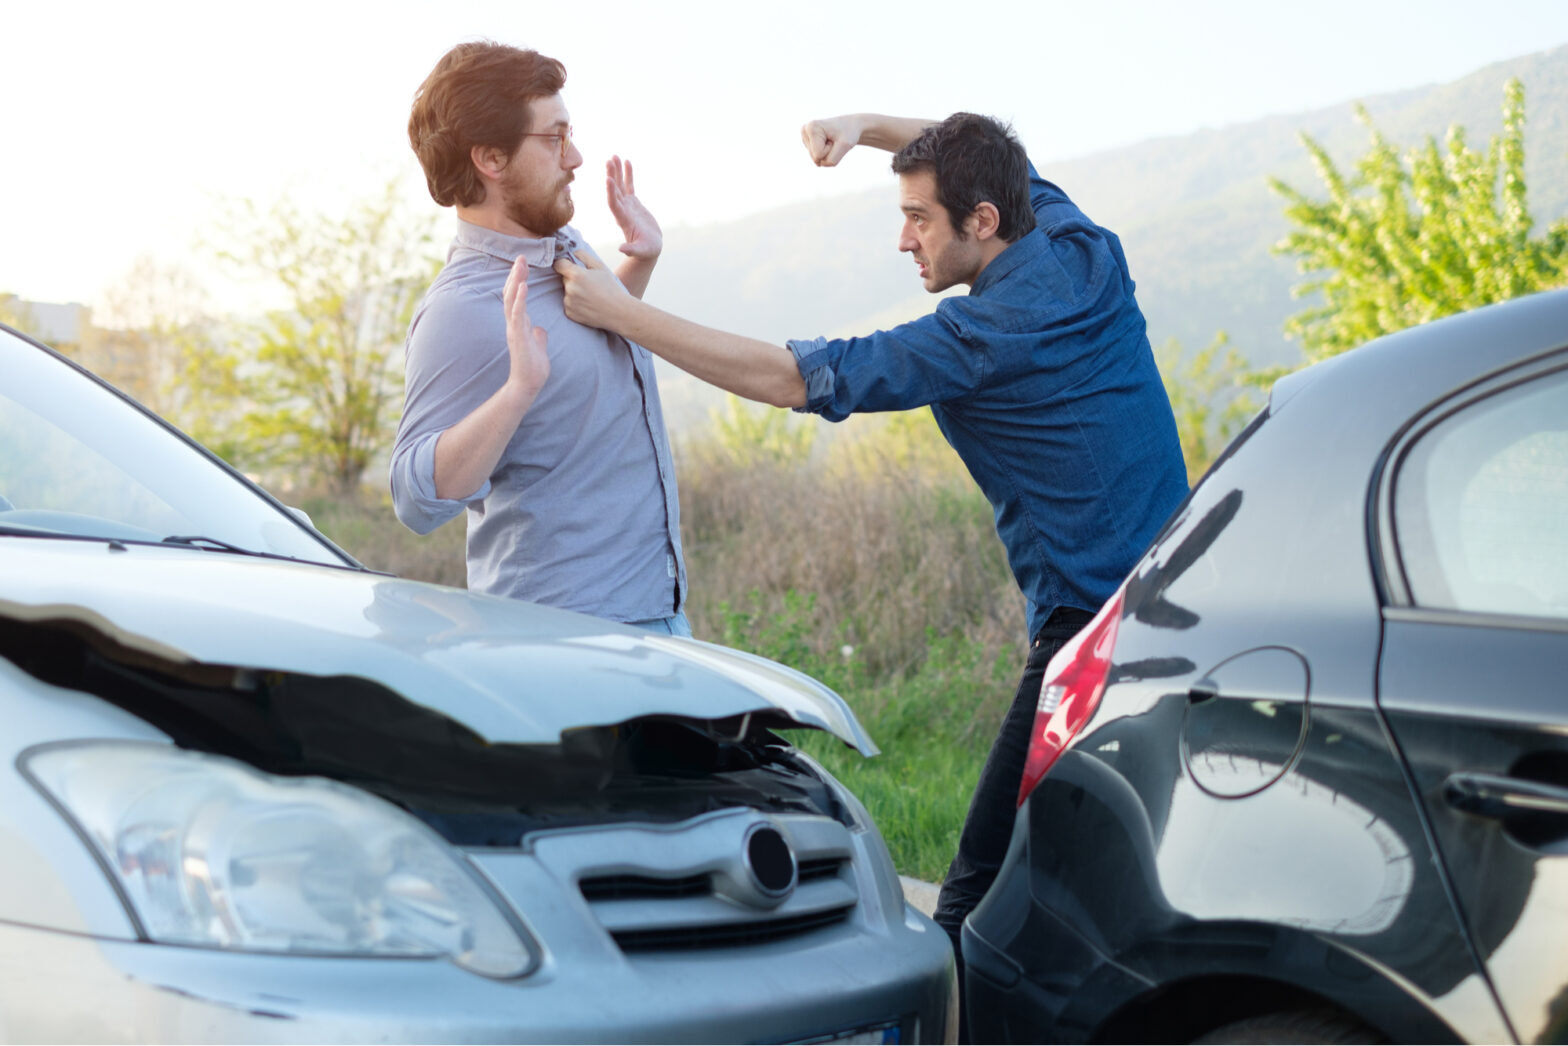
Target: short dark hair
(477,94)
(975,160)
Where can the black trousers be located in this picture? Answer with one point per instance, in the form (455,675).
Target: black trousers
(988,828)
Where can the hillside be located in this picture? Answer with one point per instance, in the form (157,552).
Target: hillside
(1194,213)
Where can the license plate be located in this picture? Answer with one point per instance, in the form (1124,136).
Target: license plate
(880,1033)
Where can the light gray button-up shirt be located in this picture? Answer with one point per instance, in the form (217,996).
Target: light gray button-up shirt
(581,511)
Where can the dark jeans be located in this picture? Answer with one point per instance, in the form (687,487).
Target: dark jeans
(989,826)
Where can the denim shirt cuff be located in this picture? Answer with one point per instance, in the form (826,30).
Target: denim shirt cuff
(424,481)
(816,369)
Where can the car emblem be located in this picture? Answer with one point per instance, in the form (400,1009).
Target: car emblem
(766,873)
(770,862)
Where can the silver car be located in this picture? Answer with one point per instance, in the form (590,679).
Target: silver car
(253,791)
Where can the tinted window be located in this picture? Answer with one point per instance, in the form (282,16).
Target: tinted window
(1481,505)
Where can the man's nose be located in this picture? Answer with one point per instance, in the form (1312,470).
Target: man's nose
(574,158)
(906,239)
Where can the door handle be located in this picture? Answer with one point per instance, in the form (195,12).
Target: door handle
(1494,795)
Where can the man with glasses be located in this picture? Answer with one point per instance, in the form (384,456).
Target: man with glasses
(548,432)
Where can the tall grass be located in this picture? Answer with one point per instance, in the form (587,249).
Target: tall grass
(868,560)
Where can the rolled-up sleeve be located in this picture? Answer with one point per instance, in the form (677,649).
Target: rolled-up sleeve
(414,486)
(934,359)
(452,365)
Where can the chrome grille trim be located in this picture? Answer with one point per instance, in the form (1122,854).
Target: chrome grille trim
(652,887)
(696,913)
(726,935)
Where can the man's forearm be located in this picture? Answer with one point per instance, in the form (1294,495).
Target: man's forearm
(467,453)
(634,274)
(891,133)
(747,367)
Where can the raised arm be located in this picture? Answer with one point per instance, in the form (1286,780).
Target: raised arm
(466,454)
(644,239)
(827,140)
(745,366)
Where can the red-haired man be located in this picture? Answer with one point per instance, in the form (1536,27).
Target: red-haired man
(548,432)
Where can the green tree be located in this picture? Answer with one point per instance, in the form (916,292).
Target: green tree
(146,325)
(1408,239)
(1212,395)
(324,373)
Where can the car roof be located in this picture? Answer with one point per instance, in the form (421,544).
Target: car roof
(1273,547)
(1395,376)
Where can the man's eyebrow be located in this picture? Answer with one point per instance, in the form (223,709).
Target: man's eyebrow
(912,208)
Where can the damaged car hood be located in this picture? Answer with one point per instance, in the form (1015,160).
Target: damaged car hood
(512,672)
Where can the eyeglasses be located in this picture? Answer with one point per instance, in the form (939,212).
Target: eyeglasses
(563,139)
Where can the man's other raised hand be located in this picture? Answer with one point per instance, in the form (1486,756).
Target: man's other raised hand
(525,342)
(643,237)
(827,140)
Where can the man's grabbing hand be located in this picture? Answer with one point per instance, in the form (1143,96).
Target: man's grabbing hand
(590,292)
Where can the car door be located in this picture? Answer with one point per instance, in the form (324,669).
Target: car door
(1471,535)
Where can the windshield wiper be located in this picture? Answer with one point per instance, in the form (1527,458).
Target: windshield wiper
(202,541)
(208,544)
(196,541)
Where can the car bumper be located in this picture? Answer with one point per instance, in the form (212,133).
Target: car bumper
(1028,975)
(63,987)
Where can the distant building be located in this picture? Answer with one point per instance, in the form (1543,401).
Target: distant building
(54,323)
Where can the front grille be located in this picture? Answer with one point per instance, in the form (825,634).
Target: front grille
(668,889)
(643,887)
(727,935)
(821,868)
(648,887)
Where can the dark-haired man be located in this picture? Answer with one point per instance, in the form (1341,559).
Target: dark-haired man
(548,432)
(1041,378)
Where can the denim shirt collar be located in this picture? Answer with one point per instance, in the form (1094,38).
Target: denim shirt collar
(1018,253)
(541,252)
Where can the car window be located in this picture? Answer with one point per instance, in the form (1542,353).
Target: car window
(77,460)
(1481,505)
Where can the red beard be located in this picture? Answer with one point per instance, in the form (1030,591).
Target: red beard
(539,212)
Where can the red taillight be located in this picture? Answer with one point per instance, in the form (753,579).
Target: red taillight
(1070,692)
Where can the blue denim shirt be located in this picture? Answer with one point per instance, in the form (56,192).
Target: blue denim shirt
(1043,381)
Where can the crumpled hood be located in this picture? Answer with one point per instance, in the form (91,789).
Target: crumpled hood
(512,672)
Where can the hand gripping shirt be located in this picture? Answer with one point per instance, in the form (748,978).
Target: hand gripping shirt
(581,511)
(1043,381)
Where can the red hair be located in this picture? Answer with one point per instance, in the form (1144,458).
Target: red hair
(477,94)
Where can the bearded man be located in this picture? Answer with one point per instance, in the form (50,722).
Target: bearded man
(548,432)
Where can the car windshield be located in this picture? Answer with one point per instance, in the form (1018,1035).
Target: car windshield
(77,460)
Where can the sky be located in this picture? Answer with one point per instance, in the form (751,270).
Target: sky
(128,129)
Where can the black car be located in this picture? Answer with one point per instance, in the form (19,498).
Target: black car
(1305,776)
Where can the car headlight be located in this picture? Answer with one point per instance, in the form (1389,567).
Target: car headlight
(207,851)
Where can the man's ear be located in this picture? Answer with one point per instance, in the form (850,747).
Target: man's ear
(489,161)
(984,220)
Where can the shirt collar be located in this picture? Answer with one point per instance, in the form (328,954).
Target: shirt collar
(1020,252)
(540,252)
